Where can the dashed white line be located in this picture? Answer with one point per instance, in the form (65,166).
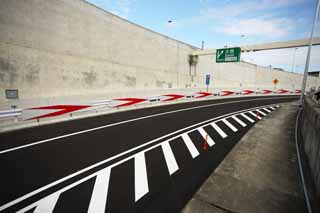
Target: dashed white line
(169,157)
(219,130)
(247,117)
(140,176)
(266,109)
(239,121)
(255,115)
(233,128)
(205,135)
(264,114)
(191,147)
(100,192)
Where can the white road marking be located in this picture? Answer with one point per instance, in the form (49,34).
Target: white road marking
(191,147)
(100,192)
(219,130)
(272,108)
(140,176)
(233,128)
(47,204)
(266,109)
(247,117)
(57,192)
(255,115)
(264,114)
(205,135)
(239,121)
(30,194)
(123,122)
(169,157)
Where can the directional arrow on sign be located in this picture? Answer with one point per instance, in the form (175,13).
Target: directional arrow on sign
(129,101)
(266,91)
(246,92)
(172,97)
(203,94)
(220,53)
(225,93)
(61,109)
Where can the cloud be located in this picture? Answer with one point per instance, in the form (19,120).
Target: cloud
(121,8)
(284,58)
(227,11)
(271,28)
(260,20)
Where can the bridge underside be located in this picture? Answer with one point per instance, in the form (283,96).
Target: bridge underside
(266,46)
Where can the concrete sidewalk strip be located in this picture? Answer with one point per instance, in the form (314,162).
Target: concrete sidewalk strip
(260,174)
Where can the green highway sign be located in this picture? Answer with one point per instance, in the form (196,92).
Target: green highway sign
(228,55)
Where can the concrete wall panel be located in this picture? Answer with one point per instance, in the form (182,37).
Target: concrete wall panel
(63,50)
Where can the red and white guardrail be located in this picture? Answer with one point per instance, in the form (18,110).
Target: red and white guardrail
(37,113)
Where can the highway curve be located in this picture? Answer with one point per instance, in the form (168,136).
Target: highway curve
(144,160)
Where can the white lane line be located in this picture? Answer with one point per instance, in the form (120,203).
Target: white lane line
(140,176)
(233,128)
(169,157)
(239,121)
(255,115)
(264,114)
(127,121)
(219,130)
(247,117)
(191,147)
(47,204)
(54,183)
(266,109)
(272,108)
(205,135)
(100,192)
(57,192)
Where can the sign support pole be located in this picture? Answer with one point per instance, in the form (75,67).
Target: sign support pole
(308,55)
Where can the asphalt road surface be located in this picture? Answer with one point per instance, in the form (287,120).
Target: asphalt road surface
(145,160)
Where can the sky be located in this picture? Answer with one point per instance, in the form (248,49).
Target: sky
(222,23)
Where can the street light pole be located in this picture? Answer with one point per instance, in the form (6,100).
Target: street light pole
(308,55)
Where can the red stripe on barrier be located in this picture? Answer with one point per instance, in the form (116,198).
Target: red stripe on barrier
(297,91)
(63,109)
(225,93)
(130,101)
(282,91)
(173,97)
(247,92)
(203,94)
(266,91)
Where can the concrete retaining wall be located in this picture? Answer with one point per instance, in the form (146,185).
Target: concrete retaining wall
(68,50)
(310,130)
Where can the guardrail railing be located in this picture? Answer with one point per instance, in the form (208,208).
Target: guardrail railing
(38,113)
(10,113)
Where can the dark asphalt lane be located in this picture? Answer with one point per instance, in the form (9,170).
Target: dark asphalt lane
(30,168)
